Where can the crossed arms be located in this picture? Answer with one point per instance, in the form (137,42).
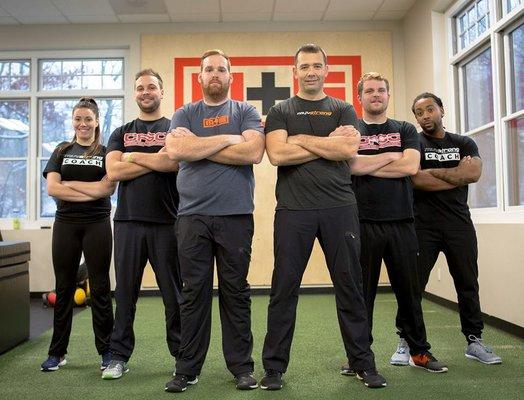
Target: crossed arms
(244,149)
(126,166)
(78,191)
(468,171)
(386,165)
(340,145)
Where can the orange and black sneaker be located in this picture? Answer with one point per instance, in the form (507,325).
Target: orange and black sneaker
(428,362)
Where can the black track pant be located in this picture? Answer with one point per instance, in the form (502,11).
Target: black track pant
(135,243)
(460,249)
(200,240)
(69,241)
(396,243)
(337,230)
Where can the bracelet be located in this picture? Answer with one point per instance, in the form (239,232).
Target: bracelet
(130,158)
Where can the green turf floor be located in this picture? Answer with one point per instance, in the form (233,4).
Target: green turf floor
(316,356)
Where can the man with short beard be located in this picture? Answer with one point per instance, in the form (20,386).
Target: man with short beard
(449,163)
(144,220)
(388,156)
(216,140)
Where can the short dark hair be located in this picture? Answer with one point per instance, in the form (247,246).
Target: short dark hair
(311,48)
(150,72)
(370,76)
(427,95)
(212,53)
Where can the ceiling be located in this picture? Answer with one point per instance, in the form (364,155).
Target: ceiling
(25,12)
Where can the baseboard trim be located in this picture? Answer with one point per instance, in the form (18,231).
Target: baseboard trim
(498,323)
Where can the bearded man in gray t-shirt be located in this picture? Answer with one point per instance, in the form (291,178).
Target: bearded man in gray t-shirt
(216,140)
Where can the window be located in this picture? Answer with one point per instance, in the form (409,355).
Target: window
(478,91)
(484,193)
(478,122)
(515,151)
(472,23)
(488,65)
(35,115)
(81,74)
(14,75)
(14,141)
(516,39)
(512,4)
(515,120)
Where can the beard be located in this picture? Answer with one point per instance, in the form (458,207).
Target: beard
(216,92)
(377,111)
(151,108)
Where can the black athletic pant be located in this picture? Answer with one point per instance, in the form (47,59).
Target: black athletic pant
(200,240)
(460,249)
(69,241)
(135,243)
(396,243)
(337,231)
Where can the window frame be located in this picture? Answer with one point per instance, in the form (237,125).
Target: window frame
(510,115)
(497,38)
(34,94)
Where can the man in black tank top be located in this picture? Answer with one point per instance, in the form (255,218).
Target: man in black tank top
(388,155)
(449,162)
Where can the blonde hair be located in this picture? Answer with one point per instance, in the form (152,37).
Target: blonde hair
(370,76)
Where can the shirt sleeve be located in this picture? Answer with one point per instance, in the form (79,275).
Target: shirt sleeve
(348,116)
(469,148)
(275,120)
(409,136)
(180,119)
(54,164)
(116,141)
(251,119)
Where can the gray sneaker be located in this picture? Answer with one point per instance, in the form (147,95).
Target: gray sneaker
(115,369)
(476,350)
(401,356)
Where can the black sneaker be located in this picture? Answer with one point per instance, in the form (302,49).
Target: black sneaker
(246,381)
(372,379)
(179,382)
(272,380)
(347,370)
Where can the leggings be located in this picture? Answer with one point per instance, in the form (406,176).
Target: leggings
(70,240)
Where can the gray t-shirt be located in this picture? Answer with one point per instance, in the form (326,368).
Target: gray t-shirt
(206,187)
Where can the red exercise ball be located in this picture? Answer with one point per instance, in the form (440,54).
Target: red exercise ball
(51,298)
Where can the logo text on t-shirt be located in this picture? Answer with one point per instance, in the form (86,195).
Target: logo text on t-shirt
(95,161)
(451,154)
(145,139)
(316,113)
(376,142)
(215,121)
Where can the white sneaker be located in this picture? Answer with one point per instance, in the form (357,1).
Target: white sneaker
(115,369)
(401,356)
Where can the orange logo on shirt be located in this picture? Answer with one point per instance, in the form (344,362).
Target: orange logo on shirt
(211,122)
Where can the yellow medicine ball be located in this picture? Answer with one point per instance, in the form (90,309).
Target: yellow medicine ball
(80,297)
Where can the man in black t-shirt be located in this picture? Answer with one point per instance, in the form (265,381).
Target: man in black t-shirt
(144,220)
(388,155)
(449,162)
(310,137)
